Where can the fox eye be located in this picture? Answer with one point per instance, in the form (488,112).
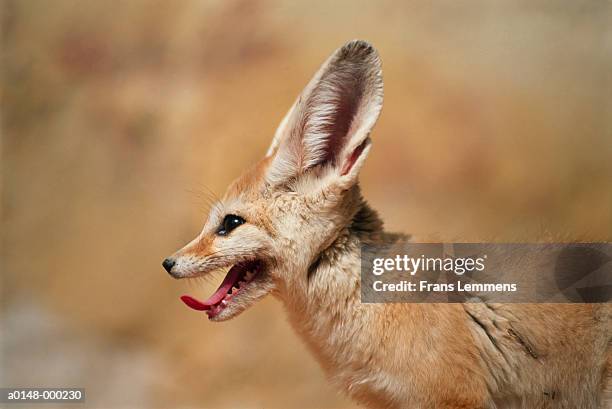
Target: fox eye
(230,222)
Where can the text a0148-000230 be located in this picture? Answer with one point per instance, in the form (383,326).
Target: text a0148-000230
(42,395)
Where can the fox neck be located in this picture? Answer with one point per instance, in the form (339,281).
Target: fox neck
(324,303)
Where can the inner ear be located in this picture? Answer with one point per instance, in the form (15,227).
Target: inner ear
(346,97)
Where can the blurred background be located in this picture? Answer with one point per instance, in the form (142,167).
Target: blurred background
(121,119)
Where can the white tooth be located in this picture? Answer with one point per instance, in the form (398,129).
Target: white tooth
(223,303)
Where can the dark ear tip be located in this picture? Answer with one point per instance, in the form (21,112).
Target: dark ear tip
(358,48)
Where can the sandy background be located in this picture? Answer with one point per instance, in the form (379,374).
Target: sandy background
(120,118)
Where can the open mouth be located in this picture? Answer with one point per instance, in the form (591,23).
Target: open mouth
(235,282)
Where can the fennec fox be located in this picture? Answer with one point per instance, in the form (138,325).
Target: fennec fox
(293,226)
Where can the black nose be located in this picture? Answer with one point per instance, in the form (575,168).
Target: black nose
(168,264)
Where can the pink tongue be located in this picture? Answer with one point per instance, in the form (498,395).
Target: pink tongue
(229,280)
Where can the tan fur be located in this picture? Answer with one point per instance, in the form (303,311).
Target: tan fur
(248,184)
(308,222)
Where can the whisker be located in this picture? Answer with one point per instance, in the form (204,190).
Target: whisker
(211,193)
(202,199)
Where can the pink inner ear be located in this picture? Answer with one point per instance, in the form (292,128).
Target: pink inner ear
(348,98)
(348,165)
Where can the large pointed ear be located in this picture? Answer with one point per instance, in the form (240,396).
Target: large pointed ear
(330,122)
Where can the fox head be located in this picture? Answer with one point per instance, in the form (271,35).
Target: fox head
(275,219)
